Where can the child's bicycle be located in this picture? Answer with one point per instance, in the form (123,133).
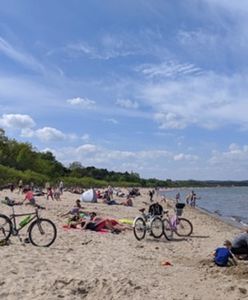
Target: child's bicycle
(147,223)
(175,223)
(41,232)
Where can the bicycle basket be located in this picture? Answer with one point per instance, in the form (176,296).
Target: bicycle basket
(179,208)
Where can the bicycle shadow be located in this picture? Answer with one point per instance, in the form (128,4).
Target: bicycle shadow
(200,236)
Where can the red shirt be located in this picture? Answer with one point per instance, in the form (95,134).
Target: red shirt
(29,195)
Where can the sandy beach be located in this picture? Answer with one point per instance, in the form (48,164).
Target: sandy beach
(89,265)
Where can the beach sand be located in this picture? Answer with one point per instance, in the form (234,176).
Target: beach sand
(90,265)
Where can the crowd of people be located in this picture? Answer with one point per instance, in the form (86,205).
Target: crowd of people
(79,217)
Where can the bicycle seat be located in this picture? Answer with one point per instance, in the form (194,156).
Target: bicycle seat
(142,210)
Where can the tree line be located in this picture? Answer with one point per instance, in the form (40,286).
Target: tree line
(20,160)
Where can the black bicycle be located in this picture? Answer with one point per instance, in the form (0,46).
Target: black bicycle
(41,232)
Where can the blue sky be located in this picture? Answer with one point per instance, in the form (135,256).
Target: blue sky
(154,87)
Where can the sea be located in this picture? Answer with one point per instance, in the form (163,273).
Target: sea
(228,203)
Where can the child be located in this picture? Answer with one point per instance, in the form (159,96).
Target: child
(222,255)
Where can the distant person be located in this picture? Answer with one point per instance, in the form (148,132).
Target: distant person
(110,192)
(178,197)
(49,193)
(127,202)
(223,255)
(193,199)
(240,245)
(11,187)
(20,186)
(151,193)
(56,194)
(61,187)
(31,186)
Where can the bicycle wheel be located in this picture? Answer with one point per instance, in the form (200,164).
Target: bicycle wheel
(157,228)
(184,227)
(5,228)
(42,233)
(139,228)
(168,232)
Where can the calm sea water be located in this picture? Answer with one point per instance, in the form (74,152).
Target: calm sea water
(230,203)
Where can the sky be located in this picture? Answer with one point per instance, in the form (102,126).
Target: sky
(159,88)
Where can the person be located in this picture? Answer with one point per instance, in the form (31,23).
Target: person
(178,197)
(151,193)
(20,185)
(193,199)
(75,211)
(61,187)
(57,193)
(156,209)
(98,223)
(11,187)
(110,192)
(49,193)
(127,202)
(240,245)
(223,255)
(31,185)
(29,196)
(109,201)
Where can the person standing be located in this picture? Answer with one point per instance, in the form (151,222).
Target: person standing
(61,187)
(151,193)
(178,197)
(20,186)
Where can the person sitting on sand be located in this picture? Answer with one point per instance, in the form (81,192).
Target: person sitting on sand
(76,211)
(240,245)
(223,255)
(128,202)
(110,201)
(30,197)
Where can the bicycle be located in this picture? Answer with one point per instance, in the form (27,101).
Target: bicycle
(175,223)
(147,223)
(41,232)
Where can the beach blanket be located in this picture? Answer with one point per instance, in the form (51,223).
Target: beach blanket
(126,221)
(66,227)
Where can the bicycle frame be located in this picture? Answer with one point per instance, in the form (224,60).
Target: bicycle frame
(13,216)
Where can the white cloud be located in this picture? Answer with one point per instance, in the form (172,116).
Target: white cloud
(19,56)
(209,100)
(170,69)
(111,120)
(49,134)
(86,148)
(82,102)
(182,156)
(148,160)
(127,103)
(107,47)
(17,121)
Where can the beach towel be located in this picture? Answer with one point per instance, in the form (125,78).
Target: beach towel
(66,227)
(126,221)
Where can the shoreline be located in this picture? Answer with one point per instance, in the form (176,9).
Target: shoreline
(239,221)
